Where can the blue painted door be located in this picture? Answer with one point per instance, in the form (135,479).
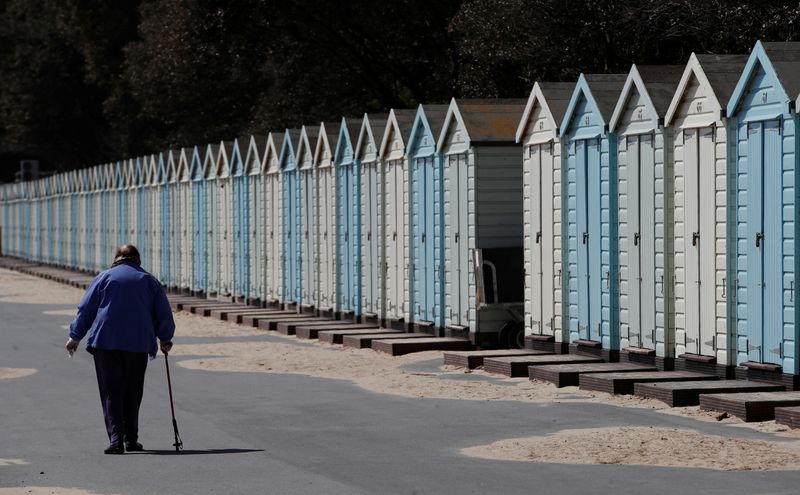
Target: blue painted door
(764,245)
(423,238)
(587,155)
(291,227)
(347,218)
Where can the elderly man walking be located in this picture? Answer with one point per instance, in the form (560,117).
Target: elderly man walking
(124,310)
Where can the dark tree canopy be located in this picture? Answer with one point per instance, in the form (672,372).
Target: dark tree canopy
(84,82)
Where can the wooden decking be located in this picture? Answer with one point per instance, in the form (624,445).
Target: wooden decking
(312,330)
(679,394)
(623,383)
(474,359)
(399,347)
(789,416)
(337,336)
(290,327)
(752,406)
(517,366)
(364,341)
(567,375)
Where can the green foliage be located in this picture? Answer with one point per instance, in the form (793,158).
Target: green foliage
(88,81)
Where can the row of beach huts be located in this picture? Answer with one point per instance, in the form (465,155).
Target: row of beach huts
(647,217)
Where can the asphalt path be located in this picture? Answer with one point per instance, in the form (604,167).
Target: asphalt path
(254,433)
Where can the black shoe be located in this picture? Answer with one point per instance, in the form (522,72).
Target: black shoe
(133,447)
(115,448)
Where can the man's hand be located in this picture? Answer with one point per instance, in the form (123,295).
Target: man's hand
(166,347)
(72,346)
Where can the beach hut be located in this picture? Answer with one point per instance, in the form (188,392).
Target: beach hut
(74,188)
(483,258)
(306,142)
(425,221)
(199,252)
(592,281)
(184,211)
(240,220)
(542,210)
(394,213)
(96,220)
(210,207)
(223,232)
(348,221)
(325,219)
(762,110)
(149,244)
(370,199)
(291,223)
(255,238)
(173,221)
(152,260)
(273,229)
(645,204)
(697,116)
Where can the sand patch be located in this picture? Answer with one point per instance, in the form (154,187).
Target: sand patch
(45,490)
(371,370)
(9,373)
(12,462)
(61,312)
(695,412)
(192,325)
(649,446)
(20,288)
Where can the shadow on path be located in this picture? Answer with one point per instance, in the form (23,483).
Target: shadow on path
(197,452)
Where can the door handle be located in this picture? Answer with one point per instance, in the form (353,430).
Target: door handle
(346,235)
(585,237)
(759,238)
(423,237)
(394,236)
(538,236)
(636,239)
(695,238)
(457,236)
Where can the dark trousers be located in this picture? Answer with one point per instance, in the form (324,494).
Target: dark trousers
(120,377)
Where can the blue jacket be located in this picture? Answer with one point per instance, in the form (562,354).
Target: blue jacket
(124,309)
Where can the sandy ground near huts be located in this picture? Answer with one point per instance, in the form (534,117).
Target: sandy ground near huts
(9,373)
(645,445)
(45,490)
(385,374)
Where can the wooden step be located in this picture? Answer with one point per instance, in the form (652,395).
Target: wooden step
(272,323)
(251,320)
(568,375)
(399,347)
(204,308)
(214,311)
(750,406)
(312,330)
(290,327)
(623,383)
(687,393)
(337,336)
(789,416)
(224,312)
(474,359)
(364,341)
(516,366)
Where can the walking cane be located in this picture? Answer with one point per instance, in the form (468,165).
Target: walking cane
(178,442)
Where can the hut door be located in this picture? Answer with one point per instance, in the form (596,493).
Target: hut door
(541,158)
(422,197)
(393,237)
(699,238)
(290,232)
(641,240)
(764,243)
(456,207)
(344,187)
(587,155)
(323,226)
(307,240)
(370,209)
